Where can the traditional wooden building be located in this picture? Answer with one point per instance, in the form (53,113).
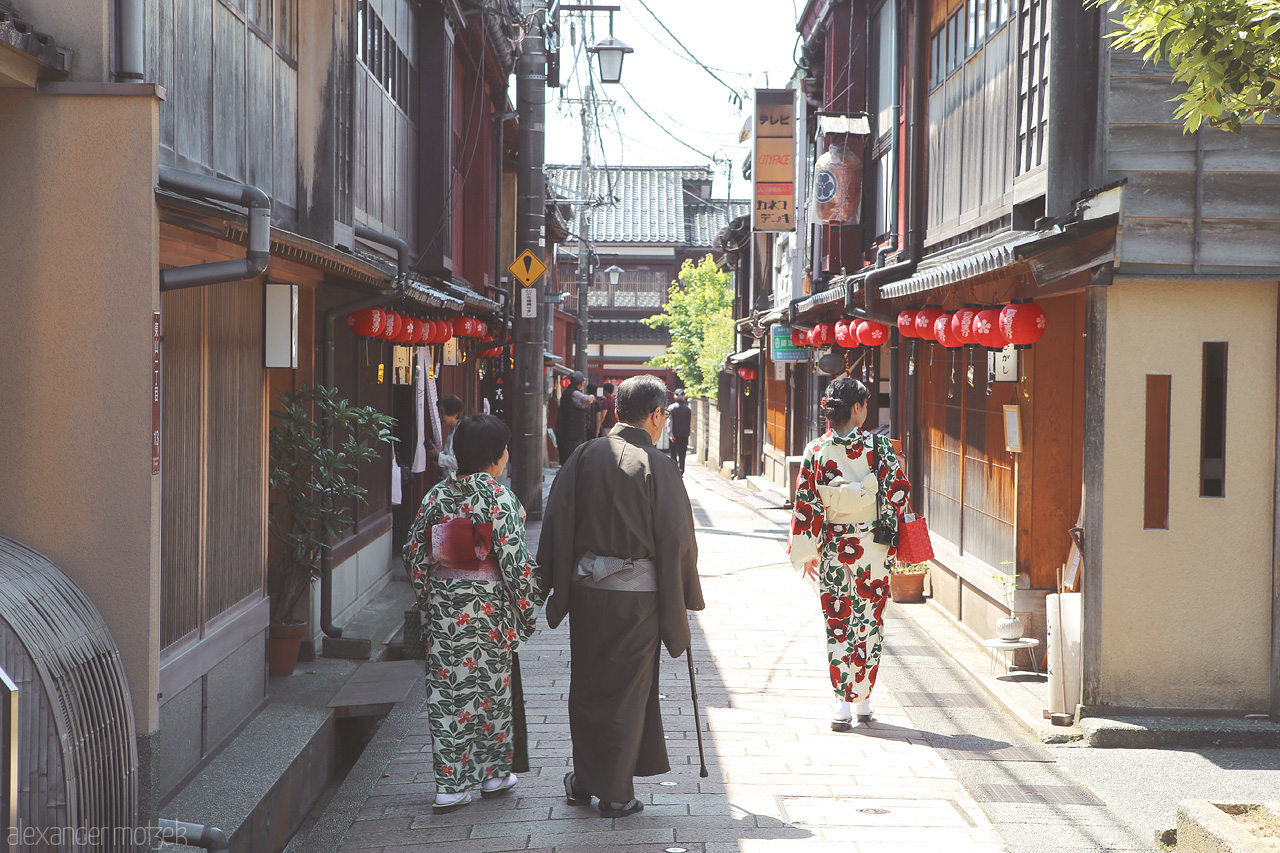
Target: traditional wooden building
(1009,154)
(192,165)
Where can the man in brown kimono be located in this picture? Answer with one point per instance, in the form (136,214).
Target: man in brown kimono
(618,552)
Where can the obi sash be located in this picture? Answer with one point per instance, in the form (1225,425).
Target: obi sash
(462,550)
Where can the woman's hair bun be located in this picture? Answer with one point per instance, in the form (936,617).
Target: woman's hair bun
(840,398)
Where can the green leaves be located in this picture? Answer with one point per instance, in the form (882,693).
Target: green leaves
(313,486)
(1225,51)
(699,316)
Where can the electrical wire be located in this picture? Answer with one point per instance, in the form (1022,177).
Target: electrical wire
(737,94)
(659,124)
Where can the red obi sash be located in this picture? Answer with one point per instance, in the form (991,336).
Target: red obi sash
(462,550)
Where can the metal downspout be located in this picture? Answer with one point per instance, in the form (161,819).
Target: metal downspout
(130,47)
(193,834)
(255,261)
(329,334)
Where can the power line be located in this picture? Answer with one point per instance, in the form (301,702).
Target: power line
(737,94)
(659,124)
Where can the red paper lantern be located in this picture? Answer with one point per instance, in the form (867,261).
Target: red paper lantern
(564,383)
(408,332)
(1022,324)
(824,334)
(490,352)
(942,332)
(925,319)
(482,328)
(872,334)
(845,335)
(446,332)
(907,324)
(392,323)
(462,326)
(799,338)
(747,373)
(427,332)
(986,329)
(810,338)
(366,323)
(962,325)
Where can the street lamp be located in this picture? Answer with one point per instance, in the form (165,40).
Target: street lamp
(615,273)
(610,51)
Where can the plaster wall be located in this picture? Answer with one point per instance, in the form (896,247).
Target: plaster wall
(1186,611)
(355,582)
(84,26)
(78,286)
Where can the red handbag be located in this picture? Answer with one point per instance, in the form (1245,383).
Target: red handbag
(913,537)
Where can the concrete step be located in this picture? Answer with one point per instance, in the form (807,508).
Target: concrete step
(366,635)
(261,785)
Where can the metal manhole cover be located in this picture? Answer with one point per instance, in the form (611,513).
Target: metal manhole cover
(922,813)
(1073,795)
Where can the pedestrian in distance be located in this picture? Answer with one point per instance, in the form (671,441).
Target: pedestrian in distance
(595,413)
(681,425)
(571,422)
(619,557)
(844,534)
(450,409)
(609,406)
(480,593)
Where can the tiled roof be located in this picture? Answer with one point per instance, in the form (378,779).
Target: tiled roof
(708,218)
(19,34)
(651,204)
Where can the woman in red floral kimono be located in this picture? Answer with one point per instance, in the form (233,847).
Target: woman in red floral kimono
(850,486)
(480,591)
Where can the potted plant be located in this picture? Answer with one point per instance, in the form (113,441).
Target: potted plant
(1008,627)
(313,491)
(906,582)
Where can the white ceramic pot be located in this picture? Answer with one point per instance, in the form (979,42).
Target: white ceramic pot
(1009,628)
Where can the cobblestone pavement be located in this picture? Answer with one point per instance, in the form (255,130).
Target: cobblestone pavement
(779,779)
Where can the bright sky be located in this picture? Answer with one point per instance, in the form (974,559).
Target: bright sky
(747,43)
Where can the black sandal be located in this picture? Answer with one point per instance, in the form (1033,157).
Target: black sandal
(573,795)
(620,809)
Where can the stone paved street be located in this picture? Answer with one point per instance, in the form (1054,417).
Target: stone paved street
(779,778)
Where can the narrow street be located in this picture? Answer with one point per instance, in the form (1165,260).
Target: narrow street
(940,769)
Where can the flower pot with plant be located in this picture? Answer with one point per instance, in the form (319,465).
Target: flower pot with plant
(1008,627)
(906,582)
(317,442)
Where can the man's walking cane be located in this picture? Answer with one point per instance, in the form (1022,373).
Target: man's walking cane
(693,688)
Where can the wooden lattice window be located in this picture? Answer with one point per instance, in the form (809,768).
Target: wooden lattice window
(1033,83)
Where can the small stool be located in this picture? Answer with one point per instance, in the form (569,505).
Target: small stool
(997,646)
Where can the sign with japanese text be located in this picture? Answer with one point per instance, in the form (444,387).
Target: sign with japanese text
(773,170)
(780,347)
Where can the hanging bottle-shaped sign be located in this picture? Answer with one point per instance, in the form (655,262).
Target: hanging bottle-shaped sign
(837,186)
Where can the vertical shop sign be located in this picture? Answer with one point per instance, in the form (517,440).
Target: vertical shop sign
(155,393)
(773,171)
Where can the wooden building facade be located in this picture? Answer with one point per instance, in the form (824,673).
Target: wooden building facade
(1011,154)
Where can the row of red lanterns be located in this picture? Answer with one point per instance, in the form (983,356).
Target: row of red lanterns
(846,333)
(1019,323)
(390,326)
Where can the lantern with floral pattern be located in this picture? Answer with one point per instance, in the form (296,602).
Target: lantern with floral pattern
(925,319)
(872,334)
(1022,323)
(986,329)
(942,332)
(845,335)
(962,325)
(907,323)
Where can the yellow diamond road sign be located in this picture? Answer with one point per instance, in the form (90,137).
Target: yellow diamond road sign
(527,268)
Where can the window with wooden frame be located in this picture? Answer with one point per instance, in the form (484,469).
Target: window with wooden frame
(1155,478)
(1213,422)
(286,23)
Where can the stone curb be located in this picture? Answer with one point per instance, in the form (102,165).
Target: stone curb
(1205,828)
(1156,732)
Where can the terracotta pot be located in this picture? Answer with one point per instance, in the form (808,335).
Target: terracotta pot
(283,642)
(906,588)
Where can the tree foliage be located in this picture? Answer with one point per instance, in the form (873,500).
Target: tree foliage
(313,487)
(1226,52)
(699,316)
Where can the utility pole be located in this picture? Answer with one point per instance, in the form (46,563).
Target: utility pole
(585,191)
(528,445)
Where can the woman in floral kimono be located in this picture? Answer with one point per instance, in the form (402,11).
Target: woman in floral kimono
(480,591)
(850,487)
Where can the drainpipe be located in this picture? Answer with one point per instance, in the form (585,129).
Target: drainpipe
(255,261)
(192,834)
(130,41)
(329,333)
